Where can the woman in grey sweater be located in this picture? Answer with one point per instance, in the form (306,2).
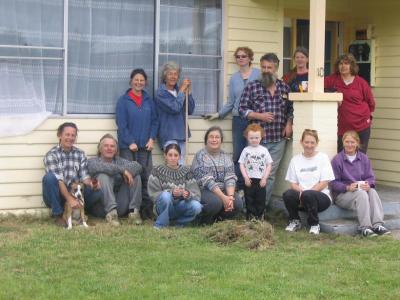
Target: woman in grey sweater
(173,190)
(215,174)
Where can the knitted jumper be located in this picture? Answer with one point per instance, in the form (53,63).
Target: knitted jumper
(163,178)
(212,170)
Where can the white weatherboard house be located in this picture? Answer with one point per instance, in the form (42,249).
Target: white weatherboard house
(69,60)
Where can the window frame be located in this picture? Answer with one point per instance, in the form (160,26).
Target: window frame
(157,6)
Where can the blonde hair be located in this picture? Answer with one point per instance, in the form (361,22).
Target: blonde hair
(310,132)
(353,134)
(101,143)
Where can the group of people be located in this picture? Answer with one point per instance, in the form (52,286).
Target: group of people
(121,180)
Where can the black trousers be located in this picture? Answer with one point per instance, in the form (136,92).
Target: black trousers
(364,139)
(255,198)
(311,201)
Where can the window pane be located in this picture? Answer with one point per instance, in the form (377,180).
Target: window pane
(31,76)
(193,28)
(107,39)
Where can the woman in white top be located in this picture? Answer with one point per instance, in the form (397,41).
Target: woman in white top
(309,174)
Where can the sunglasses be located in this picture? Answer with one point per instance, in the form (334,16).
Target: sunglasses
(241,56)
(310,130)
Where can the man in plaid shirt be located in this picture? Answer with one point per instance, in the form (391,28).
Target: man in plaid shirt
(265,101)
(65,164)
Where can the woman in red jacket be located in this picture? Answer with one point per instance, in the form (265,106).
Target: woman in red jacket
(355,111)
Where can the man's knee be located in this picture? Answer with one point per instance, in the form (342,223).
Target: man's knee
(50,179)
(362,197)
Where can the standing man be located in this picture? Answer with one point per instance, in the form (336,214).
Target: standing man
(64,165)
(119,179)
(265,101)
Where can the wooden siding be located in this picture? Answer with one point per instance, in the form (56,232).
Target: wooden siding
(384,149)
(258,25)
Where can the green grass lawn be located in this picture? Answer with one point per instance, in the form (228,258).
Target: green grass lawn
(41,261)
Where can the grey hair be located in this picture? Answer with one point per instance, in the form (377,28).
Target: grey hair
(101,143)
(169,66)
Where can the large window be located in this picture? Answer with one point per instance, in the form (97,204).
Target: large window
(76,55)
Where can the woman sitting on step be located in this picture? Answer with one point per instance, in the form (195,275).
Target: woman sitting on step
(309,174)
(173,190)
(354,186)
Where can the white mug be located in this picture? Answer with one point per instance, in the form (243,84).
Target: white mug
(304,86)
(359,184)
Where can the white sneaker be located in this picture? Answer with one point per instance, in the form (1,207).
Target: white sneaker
(134,217)
(112,218)
(315,229)
(294,225)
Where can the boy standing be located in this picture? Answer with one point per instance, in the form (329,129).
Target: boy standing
(255,165)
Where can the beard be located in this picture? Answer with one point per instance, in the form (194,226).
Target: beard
(268,79)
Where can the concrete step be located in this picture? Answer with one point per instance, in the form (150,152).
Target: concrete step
(350,226)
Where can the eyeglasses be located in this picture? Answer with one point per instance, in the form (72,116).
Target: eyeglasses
(241,56)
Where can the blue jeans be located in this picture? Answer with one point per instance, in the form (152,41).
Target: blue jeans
(276,150)
(54,200)
(182,211)
(239,142)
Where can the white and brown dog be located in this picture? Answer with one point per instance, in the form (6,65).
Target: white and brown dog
(76,189)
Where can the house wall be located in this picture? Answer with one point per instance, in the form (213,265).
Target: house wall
(255,24)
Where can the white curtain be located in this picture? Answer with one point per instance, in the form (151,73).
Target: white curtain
(30,75)
(193,28)
(107,39)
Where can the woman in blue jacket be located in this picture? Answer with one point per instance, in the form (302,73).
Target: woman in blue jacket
(170,101)
(137,123)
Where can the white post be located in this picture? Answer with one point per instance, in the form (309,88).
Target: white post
(316,109)
(317,46)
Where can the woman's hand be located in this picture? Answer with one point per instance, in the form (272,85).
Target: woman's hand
(185,85)
(176,192)
(352,187)
(133,147)
(150,144)
(365,186)
(185,194)
(228,203)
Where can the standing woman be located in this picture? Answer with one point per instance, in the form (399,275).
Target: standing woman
(354,186)
(137,123)
(243,57)
(173,190)
(309,174)
(170,101)
(355,111)
(215,174)
(297,78)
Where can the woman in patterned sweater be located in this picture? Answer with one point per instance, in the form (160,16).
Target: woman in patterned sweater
(173,190)
(215,174)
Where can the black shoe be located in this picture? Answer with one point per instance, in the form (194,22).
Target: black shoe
(380,230)
(367,232)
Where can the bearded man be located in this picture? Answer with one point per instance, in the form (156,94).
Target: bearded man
(265,101)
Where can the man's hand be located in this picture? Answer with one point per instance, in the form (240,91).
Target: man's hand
(176,193)
(73,202)
(128,177)
(150,144)
(133,147)
(288,130)
(267,117)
